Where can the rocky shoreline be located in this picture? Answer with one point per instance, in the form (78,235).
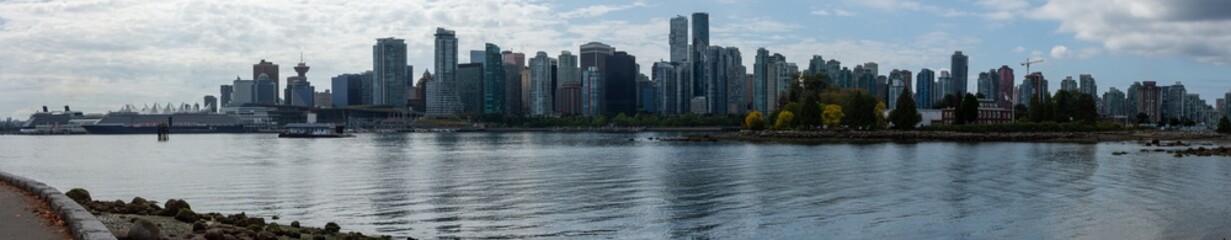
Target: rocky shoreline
(914,136)
(141,219)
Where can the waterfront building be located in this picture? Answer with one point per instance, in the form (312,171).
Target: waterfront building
(944,87)
(269,69)
(347,90)
(244,92)
(1035,85)
(224,95)
(816,65)
(1149,100)
(470,87)
(525,90)
(323,99)
(882,88)
(1006,82)
(493,80)
(665,75)
(389,76)
(1068,84)
(299,92)
(896,86)
(647,94)
(989,113)
(761,81)
(1173,100)
(960,65)
(265,90)
(1087,85)
(724,79)
(211,103)
(907,76)
(621,80)
(512,89)
(924,82)
(516,58)
(595,54)
(985,86)
(700,44)
(1113,103)
(442,94)
(540,85)
(834,70)
(568,96)
(593,95)
(478,56)
(678,39)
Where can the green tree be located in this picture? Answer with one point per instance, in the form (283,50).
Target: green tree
(1036,109)
(809,110)
(1143,118)
(1020,112)
(904,115)
(1064,110)
(754,121)
(1224,125)
(1086,110)
(784,120)
(832,115)
(879,115)
(969,110)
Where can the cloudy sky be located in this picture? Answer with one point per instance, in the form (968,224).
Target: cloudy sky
(99,55)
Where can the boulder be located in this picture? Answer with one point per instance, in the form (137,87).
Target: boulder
(80,195)
(173,206)
(199,226)
(332,227)
(186,215)
(295,224)
(144,230)
(266,236)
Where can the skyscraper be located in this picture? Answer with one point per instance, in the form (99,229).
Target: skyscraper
(1068,84)
(1148,101)
(512,89)
(470,87)
(568,96)
(299,92)
(347,90)
(1131,99)
(493,81)
(224,95)
(715,80)
(389,78)
(540,85)
(678,39)
(664,73)
(265,90)
(985,85)
(595,54)
(593,95)
(1087,85)
(647,94)
(1113,103)
(923,88)
(761,81)
(211,103)
(1005,76)
(478,56)
(960,68)
(621,79)
(442,96)
(269,69)
(816,65)
(700,44)
(944,87)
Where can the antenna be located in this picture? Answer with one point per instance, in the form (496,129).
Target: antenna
(301,56)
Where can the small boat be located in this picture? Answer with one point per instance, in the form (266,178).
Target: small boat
(314,130)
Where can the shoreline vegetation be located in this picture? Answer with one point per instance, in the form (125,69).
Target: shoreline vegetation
(142,219)
(797,136)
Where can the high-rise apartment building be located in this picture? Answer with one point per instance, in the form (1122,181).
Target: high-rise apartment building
(389,76)
(700,44)
(665,74)
(493,80)
(442,95)
(1005,76)
(470,87)
(1087,85)
(621,79)
(540,85)
(593,95)
(568,94)
(269,69)
(1113,103)
(960,67)
(923,88)
(1068,84)
(678,39)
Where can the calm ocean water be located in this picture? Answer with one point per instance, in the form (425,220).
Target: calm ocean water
(590,185)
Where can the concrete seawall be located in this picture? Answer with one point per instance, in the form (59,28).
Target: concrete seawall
(82,223)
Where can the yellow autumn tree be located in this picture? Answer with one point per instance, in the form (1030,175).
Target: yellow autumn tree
(832,116)
(785,120)
(754,121)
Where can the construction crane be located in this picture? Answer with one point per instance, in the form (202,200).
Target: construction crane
(1030,62)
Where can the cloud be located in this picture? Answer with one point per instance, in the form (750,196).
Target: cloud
(1019,49)
(1060,52)
(912,5)
(755,25)
(832,12)
(923,51)
(599,10)
(1196,30)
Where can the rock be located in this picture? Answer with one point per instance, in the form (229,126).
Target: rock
(199,225)
(139,201)
(295,224)
(275,217)
(266,236)
(80,195)
(332,227)
(229,237)
(256,221)
(143,230)
(173,206)
(319,237)
(186,215)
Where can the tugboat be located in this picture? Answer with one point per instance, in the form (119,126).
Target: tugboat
(314,130)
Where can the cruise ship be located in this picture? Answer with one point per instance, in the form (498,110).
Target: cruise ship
(127,121)
(49,122)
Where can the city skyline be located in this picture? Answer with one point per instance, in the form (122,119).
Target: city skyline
(102,68)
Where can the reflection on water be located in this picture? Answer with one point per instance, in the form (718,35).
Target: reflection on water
(584,186)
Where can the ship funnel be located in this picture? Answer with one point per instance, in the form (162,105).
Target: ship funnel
(44,108)
(66,108)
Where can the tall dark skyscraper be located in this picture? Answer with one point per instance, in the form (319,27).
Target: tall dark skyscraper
(595,54)
(960,68)
(1006,87)
(700,44)
(621,83)
(269,69)
(924,87)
